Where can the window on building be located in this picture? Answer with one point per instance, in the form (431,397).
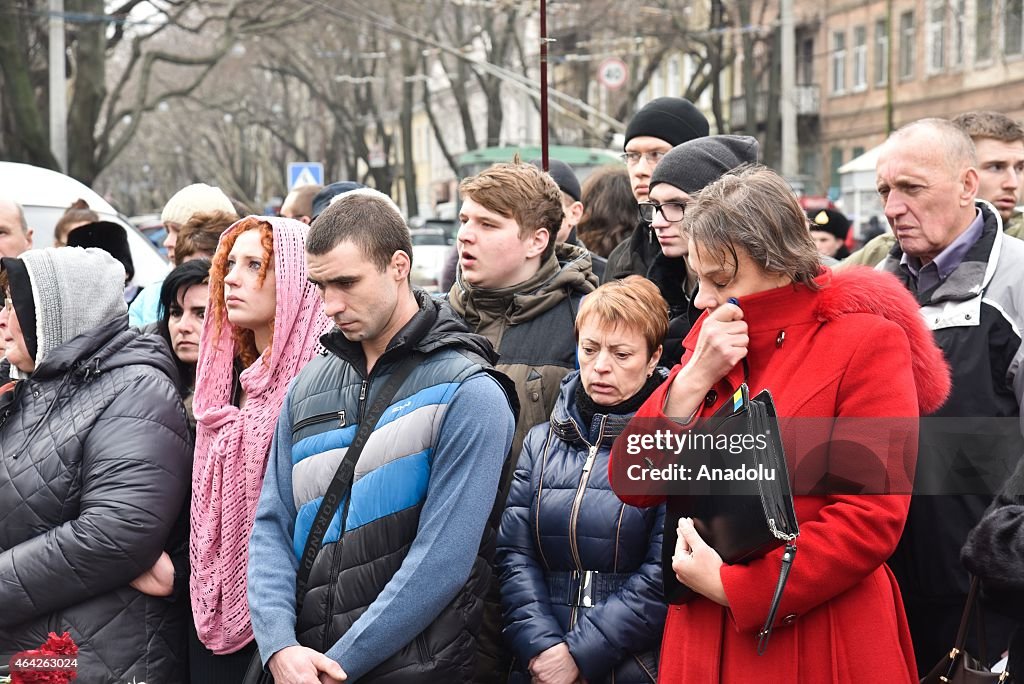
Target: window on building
(834,163)
(860,58)
(983,31)
(936,36)
(881,52)
(959,32)
(1012,27)
(805,71)
(674,84)
(838,62)
(907,45)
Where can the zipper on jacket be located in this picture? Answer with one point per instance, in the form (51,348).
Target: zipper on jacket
(339,545)
(644,668)
(319,418)
(575,512)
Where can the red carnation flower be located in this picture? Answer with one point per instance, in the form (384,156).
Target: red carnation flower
(61,647)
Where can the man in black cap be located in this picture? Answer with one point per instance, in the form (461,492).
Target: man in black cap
(659,126)
(684,171)
(828,230)
(572,209)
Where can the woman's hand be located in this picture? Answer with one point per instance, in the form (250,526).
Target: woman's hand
(722,344)
(554,666)
(697,565)
(158,580)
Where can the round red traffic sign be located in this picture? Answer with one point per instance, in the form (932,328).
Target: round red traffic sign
(613,73)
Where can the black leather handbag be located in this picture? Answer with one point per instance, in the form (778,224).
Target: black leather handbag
(336,492)
(742,519)
(959,667)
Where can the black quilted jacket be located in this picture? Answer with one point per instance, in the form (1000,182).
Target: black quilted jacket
(95,465)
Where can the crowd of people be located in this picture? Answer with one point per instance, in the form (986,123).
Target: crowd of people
(284,459)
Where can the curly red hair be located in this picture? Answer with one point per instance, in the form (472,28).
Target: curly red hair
(245,341)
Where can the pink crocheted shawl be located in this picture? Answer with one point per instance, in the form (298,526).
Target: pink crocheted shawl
(232,444)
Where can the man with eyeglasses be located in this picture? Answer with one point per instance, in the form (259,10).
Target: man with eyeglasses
(684,171)
(659,126)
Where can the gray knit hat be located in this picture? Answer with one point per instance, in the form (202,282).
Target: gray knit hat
(696,164)
(74,290)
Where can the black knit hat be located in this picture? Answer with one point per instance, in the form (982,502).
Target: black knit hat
(672,119)
(829,221)
(696,164)
(324,197)
(565,177)
(108,236)
(20,286)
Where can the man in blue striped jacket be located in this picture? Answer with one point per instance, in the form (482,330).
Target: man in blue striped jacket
(396,591)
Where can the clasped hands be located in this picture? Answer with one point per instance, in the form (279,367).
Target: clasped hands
(301,665)
(555,666)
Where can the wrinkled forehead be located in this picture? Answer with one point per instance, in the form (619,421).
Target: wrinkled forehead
(911,158)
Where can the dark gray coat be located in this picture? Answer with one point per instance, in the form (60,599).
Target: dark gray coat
(95,466)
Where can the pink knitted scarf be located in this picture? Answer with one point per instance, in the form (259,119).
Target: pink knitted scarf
(232,444)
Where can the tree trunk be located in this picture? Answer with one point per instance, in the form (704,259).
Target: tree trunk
(89,93)
(30,142)
(412,206)
(750,84)
(773,127)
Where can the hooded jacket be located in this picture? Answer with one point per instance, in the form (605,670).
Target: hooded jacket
(532,327)
(976,314)
(855,349)
(94,472)
(554,496)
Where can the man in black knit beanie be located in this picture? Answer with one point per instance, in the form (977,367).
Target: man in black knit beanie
(659,126)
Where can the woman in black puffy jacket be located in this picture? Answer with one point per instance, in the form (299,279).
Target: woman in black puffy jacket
(95,467)
(581,582)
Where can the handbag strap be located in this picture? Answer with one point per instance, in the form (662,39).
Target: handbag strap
(766,632)
(342,481)
(965,619)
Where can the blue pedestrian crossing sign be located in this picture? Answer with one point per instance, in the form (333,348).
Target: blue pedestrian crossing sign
(305,173)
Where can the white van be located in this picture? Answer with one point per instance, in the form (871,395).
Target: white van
(46,194)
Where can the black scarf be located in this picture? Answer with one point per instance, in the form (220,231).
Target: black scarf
(588,409)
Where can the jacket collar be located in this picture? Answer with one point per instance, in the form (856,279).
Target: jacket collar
(974,273)
(568,425)
(432,327)
(567,271)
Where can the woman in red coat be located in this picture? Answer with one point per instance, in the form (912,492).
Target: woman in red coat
(827,345)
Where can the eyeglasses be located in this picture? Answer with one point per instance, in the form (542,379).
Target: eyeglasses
(633,158)
(670,211)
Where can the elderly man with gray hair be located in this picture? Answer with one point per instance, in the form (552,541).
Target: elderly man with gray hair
(15,235)
(965,273)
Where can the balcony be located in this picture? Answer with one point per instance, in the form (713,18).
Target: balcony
(807,99)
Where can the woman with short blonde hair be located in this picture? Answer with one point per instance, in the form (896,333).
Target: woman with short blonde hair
(580,571)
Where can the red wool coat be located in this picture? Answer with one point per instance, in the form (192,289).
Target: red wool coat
(856,348)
